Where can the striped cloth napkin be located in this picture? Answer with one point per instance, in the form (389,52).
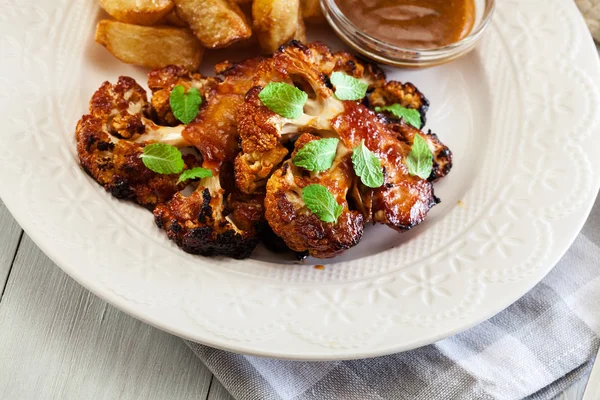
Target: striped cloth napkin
(534,349)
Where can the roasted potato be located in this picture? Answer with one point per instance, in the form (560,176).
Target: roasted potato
(300,29)
(311,11)
(138,12)
(173,19)
(150,46)
(216,23)
(275,22)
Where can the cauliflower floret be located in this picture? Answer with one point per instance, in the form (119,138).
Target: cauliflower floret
(214,220)
(403,200)
(405,94)
(442,156)
(264,133)
(290,218)
(205,223)
(162,81)
(214,131)
(314,63)
(112,137)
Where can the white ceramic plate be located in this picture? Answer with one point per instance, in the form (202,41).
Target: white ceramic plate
(520,114)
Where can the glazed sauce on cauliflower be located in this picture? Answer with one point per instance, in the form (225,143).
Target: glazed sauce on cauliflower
(413,24)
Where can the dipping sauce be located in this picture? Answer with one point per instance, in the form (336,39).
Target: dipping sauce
(413,24)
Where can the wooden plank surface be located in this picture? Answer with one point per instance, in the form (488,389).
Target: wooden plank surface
(58,341)
(10,234)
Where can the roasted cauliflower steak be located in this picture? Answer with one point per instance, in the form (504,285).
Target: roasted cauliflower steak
(215,219)
(255,186)
(401,202)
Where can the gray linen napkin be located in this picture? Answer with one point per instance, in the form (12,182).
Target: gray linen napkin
(534,349)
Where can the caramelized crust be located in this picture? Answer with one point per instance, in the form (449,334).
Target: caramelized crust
(404,200)
(405,94)
(442,156)
(238,76)
(201,224)
(214,131)
(262,148)
(162,81)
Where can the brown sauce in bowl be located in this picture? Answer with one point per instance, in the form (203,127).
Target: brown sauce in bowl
(413,24)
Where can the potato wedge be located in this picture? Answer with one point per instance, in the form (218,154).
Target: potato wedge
(275,22)
(173,19)
(138,12)
(300,29)
(311,11)
(216,23)
(150,46)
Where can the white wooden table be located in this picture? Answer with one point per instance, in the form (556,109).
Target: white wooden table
(58,341)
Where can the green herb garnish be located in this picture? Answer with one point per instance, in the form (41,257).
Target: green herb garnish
(409,115)
(283,99)
(420,158)
(162,158)
(185,105)
(348,87)
(317,155)
(367,166)
(321,202)
(194,173)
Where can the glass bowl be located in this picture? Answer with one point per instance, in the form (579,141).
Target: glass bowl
(387,53)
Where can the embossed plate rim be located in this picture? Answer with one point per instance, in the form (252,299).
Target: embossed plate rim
(293,330)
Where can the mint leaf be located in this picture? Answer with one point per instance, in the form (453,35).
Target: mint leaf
(162,158)
(348,87)
(321,202)
(185,105)
(283,99)
(420,158)
(409,115)
(317,155)
(367,166)
(194,173)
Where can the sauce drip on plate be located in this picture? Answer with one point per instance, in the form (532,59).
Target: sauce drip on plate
(413,24)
